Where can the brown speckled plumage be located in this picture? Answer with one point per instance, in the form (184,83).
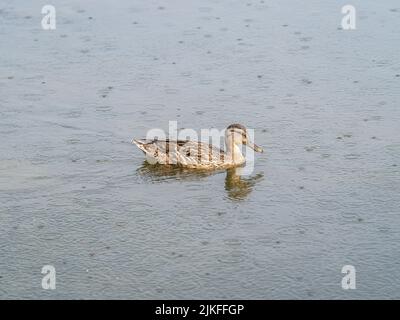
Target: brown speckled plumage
(185,153)
(194,154)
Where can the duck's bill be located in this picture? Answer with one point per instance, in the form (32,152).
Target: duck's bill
(255,147)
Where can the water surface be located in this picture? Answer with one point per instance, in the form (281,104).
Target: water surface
(324,104)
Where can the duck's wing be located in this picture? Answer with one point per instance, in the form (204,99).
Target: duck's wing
(200,154)
(181,152)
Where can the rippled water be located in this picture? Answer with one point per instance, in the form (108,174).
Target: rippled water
(324,104)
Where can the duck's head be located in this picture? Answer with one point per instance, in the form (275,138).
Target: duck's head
(237,134)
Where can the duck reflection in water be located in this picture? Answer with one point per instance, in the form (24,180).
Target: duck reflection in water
(237,187)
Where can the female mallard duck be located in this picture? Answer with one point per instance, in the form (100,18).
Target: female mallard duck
(199,155)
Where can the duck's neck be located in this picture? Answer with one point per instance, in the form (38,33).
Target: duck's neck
(234,153)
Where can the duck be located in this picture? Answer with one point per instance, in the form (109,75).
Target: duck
(196,154)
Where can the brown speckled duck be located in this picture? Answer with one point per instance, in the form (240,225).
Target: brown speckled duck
(199,155)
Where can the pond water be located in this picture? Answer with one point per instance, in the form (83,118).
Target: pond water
(76,194)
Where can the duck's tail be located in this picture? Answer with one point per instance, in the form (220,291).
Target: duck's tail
(140,144)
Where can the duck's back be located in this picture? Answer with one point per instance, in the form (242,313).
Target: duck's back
(190,154)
